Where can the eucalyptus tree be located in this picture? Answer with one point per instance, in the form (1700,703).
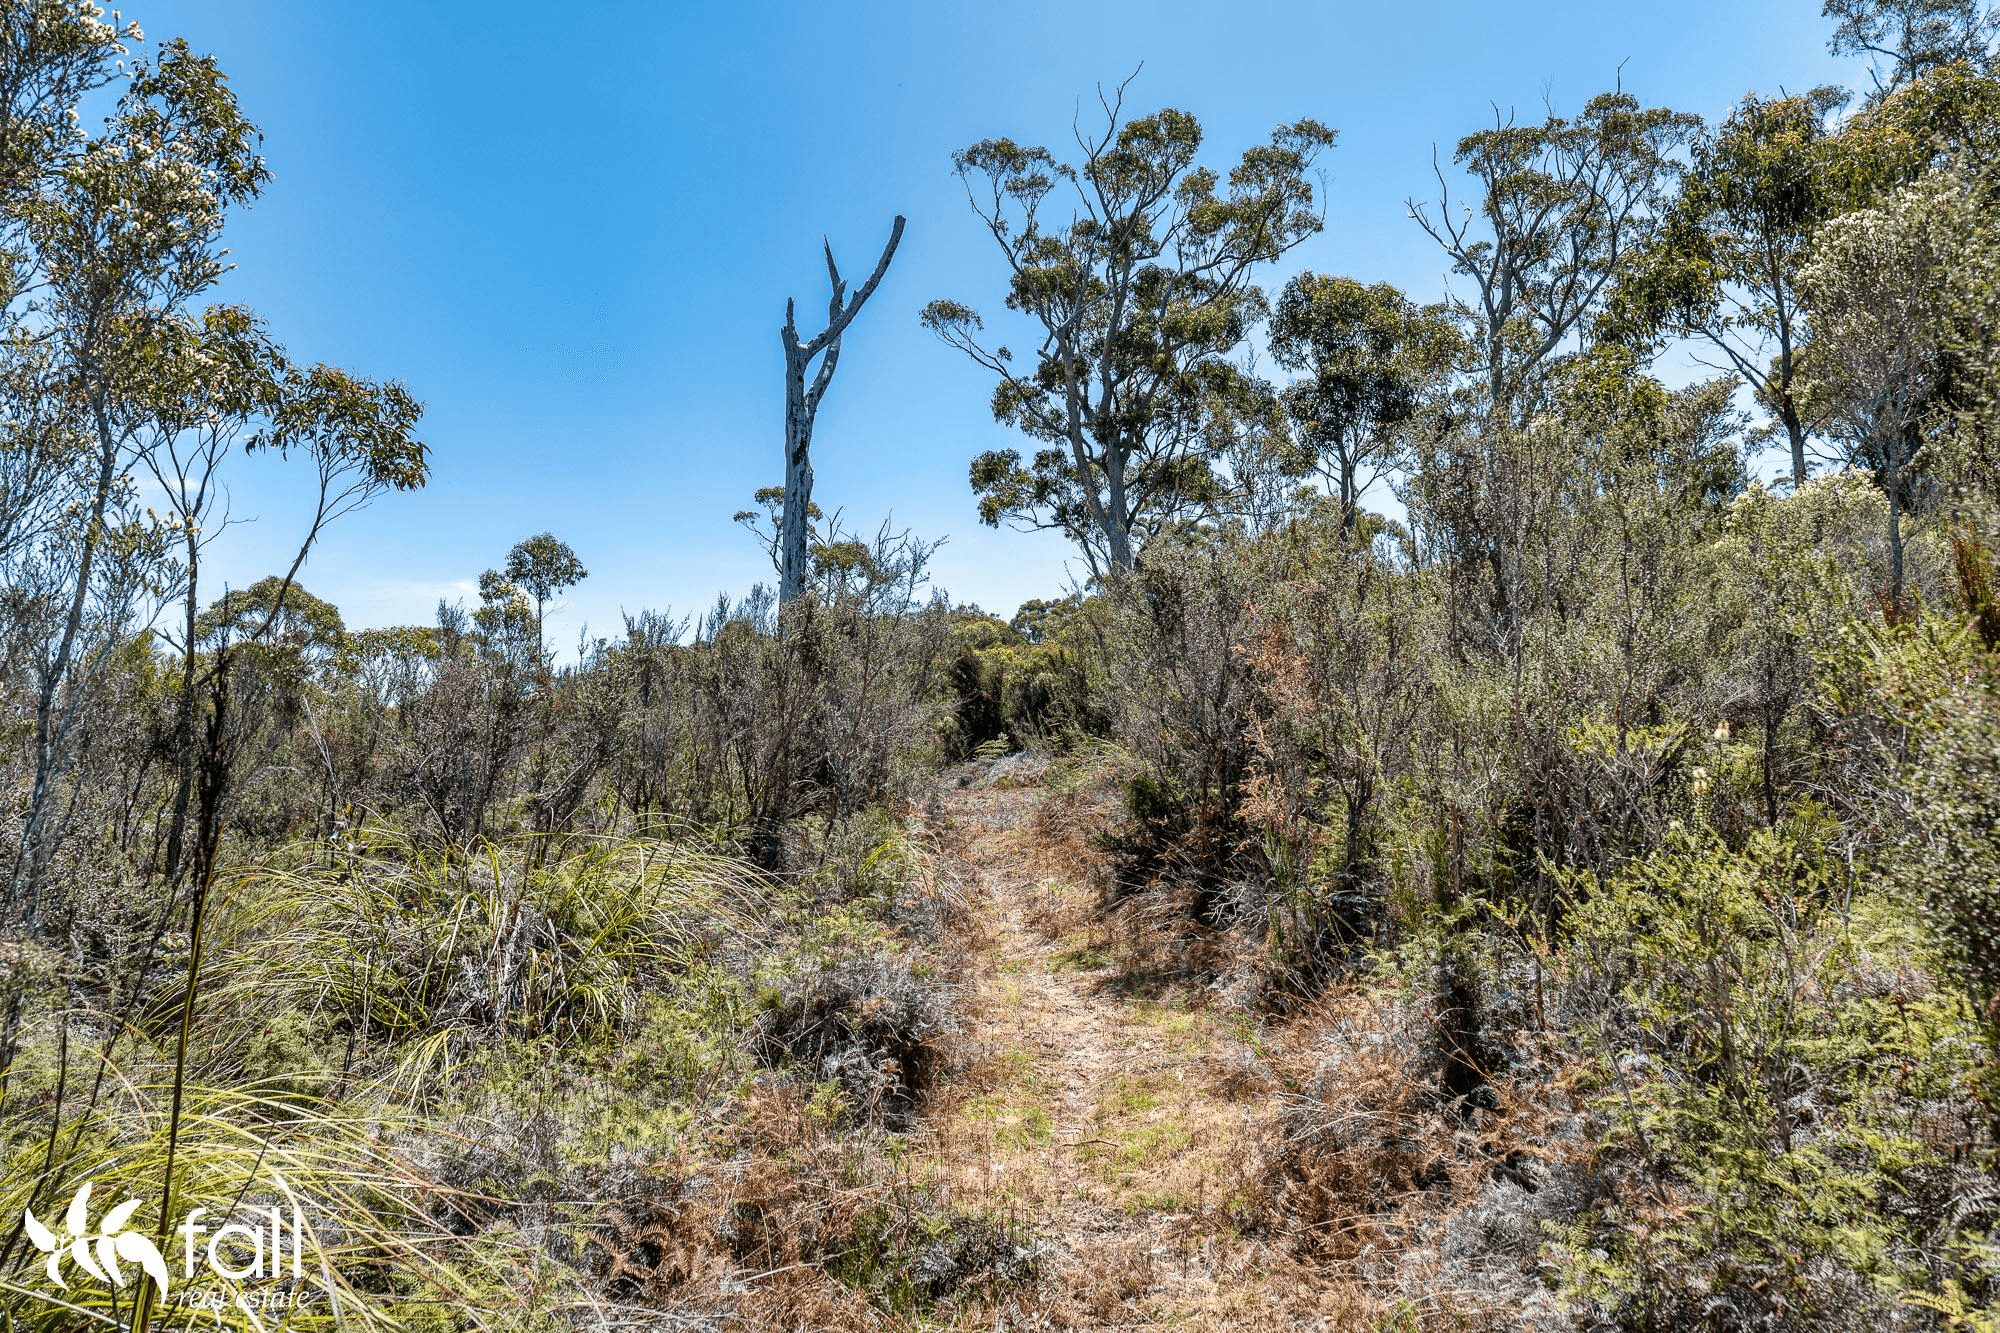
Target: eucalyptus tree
(1881,289)
(114,370)
(121,238)
(1368,357)
(1558,207)
(1912,37)
(542,566)
(211,372)
(52,55)
(1723,266)
(112,252)
(1136,304)
(802,408)
(221,386)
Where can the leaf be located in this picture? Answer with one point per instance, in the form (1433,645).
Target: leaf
(78,1218)
(79,1250)
(44,1239)
(55,1270)
(140,1250)
(107,1255)
(115,1220)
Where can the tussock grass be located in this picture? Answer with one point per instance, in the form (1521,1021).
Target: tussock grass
(534,1085)
(377,1250)
(352,1018)
(399,942)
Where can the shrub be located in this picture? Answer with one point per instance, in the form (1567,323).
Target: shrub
(1772,1163)
(873,1025)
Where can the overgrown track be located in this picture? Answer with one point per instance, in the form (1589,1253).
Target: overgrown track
(1121,1130)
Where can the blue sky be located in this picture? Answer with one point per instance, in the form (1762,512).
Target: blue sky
(572,232)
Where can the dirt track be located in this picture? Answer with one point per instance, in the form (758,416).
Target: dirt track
(1120,1129)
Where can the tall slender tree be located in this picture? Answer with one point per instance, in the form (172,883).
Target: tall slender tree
(1366,356)
(542,566)
(1557,208)
(1723,266)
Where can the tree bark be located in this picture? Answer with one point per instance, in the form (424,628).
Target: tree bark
(802,406)
(1896,532)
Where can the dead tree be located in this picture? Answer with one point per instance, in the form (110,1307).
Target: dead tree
(802,405)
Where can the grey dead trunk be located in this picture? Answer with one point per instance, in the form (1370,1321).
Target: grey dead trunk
(802,405)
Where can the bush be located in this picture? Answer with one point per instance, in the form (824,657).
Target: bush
(873,1025)
(1179,701)
(1772,1162)
(754,725)
(1028,683)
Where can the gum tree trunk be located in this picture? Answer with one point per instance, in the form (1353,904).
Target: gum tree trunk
(802,406)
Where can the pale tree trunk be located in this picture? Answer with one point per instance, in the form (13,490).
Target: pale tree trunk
(1894,456)
(802,406)
(55,716)
(1117,526)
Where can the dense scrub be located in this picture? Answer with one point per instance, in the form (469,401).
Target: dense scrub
(1595,851)
(1645,942)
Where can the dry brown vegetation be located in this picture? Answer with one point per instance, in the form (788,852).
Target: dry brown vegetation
(1569,903)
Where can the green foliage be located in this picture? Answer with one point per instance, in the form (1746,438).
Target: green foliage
(1371,358)
(1138,303)
(544,566)
(447,1061)
(1755,1082)
(1028,683)
(1926,705)
(1915,37)
(453,945)
(1723,264)
(1557,206)
(1626,827)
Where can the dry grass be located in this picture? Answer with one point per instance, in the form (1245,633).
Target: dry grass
(1119,1125)
(1374,1176)
(1187,1161)
(1057,908)
(791,1219)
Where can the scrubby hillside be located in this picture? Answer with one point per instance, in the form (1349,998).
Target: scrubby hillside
(1504,835)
